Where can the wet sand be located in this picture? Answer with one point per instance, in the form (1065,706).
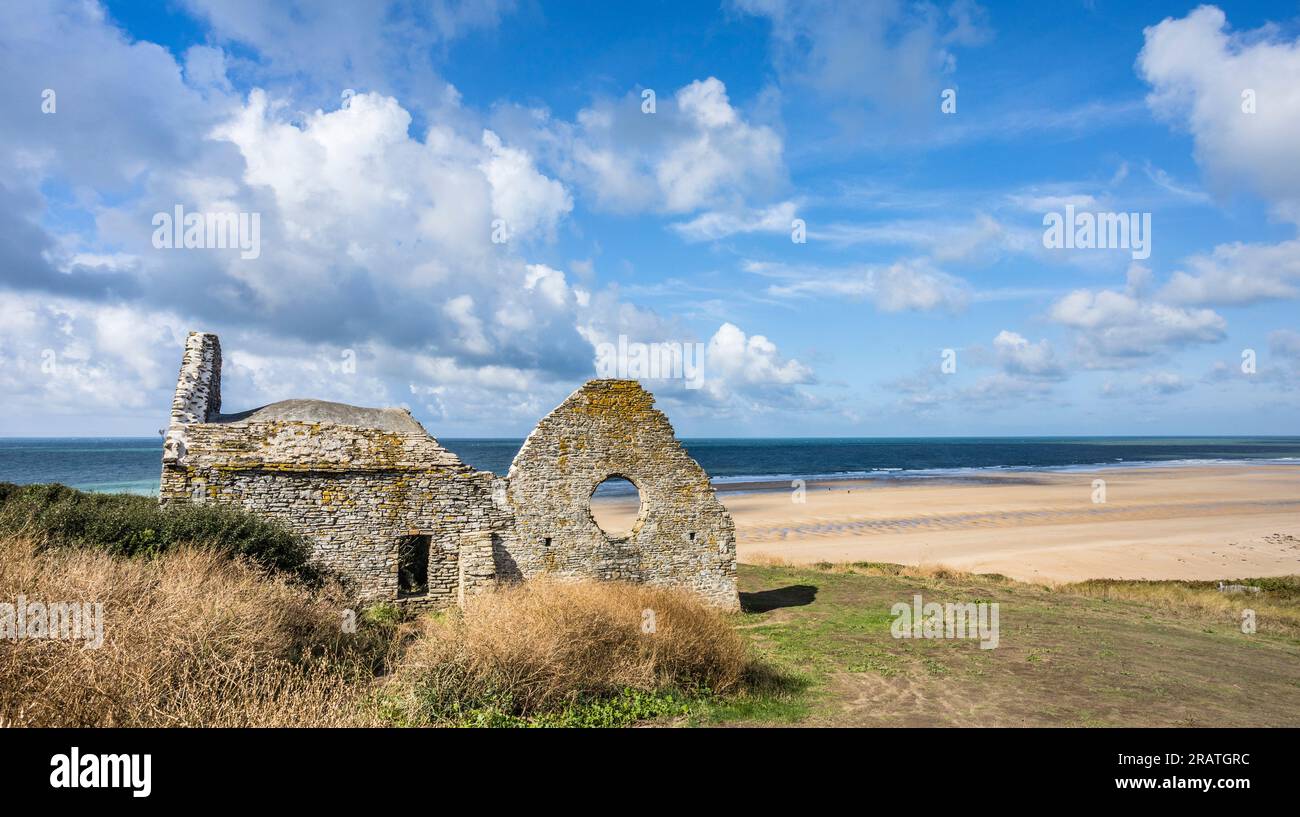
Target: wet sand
(1185,522)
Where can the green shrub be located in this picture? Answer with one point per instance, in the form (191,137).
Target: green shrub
(128,525)
(384,613)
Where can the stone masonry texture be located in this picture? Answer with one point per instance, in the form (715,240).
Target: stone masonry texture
(355,481)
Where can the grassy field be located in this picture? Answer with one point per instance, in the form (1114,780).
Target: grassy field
(1091,654)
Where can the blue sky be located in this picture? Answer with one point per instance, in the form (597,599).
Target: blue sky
(378,283)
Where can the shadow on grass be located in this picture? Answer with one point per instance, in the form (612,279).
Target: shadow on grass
(796,595)
(768,695)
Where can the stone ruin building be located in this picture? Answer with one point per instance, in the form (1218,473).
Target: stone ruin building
(404,520)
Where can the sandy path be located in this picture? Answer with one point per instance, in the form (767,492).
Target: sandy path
(1156,523)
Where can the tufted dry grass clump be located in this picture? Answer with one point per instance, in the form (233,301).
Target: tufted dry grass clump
(546,646)
(191,638)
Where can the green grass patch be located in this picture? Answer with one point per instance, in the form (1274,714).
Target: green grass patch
(129,525)
(495,710)
(1092,654)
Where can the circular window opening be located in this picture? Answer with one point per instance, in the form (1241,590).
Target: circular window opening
(615,506)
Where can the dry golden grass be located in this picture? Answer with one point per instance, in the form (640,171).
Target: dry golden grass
(768,560)
(190,639)
(196,638)
(1276,606)
(545,645)
(925,570)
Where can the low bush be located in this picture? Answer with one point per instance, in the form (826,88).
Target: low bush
(129,525)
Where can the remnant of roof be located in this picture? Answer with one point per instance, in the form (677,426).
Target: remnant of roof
(393,420)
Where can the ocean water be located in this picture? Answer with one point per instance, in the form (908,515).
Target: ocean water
(134,464)
(109,464)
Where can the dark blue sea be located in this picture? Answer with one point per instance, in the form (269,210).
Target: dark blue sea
(133,464)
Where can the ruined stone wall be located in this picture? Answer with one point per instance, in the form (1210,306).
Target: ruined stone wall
(355,481)
(682,537)
(353,491)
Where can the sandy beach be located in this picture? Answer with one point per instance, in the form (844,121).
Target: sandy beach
(1183,522)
